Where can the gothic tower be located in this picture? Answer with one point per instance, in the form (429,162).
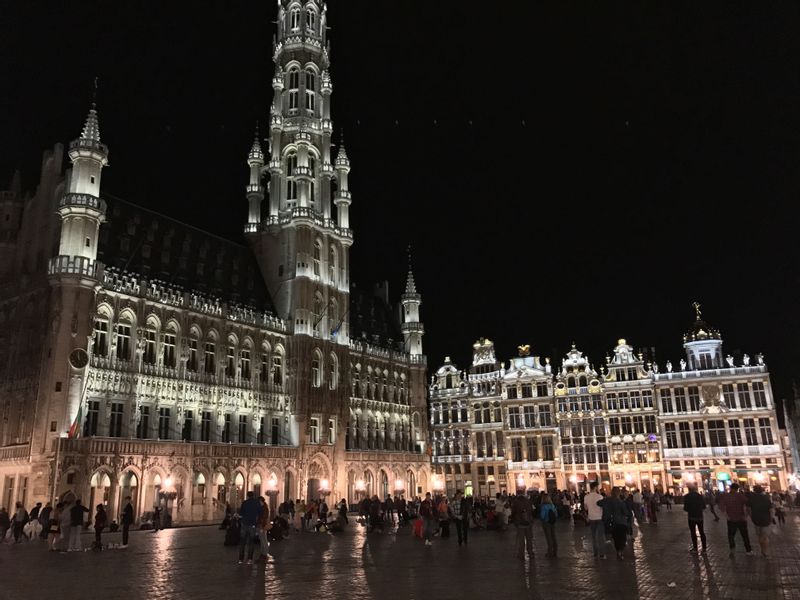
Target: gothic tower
(73,275)
(301,236)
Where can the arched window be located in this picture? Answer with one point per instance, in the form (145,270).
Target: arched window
(311,86)
(333,372)
(170,337)
(150,333)
(294,19)
(293,88)
(312,169)
(277,367)
(291,184)
(311,20)
(101,333)
(332,266)
(192,346)
(317,258)
(209,354)
(571,382)
(582,381)
(316,369)
(333,317)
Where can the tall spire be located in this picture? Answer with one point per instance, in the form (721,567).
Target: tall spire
(255,152)
(411,287)
(91,128)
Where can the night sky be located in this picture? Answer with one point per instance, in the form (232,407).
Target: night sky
(564,171)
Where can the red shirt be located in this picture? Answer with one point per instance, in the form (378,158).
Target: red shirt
(734,506)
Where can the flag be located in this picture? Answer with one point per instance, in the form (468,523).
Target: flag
(75,428)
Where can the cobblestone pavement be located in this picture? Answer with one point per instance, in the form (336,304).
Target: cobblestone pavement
(192,563)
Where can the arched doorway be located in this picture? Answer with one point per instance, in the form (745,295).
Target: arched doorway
(221,490)
(238,490)
(129,485)
(312,489)
(101,485)
(255,484)
(288,486)
(369,484)
(384,490)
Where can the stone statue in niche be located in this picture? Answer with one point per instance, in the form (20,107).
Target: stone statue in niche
(669,366)
(683,364)
(746,360)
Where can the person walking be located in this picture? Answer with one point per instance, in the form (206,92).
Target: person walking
(54,527)
(734,504)
(157,519)
(76,525)
(779,504)
(343,511)
(65,525)
(249,513)
(127,520)
(428,513)
(390,510)
(694,504)
(594,514)
(760,508)
(100,522)
(637,506)
(711,502)
(522,517)
(549,516)
(20,518)
(460,509)
(619,514)
(264,524)
(300,509)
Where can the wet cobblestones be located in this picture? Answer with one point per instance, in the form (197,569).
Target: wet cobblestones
(193,563)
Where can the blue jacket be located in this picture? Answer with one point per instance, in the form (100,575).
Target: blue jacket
(249,512)
(544,509)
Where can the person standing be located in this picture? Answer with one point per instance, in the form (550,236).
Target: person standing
(264,525)
(44,519)
(65,525)
(637,506)
(779,504)
(100,522)
(594,514)
(734,504)
(76,525)
(549,516)
(157,519)
(694,504)
(522,517)
(460,509)
(343,511)
(127,520)
(429,515)
(249,513)
(760,508)
(390,510)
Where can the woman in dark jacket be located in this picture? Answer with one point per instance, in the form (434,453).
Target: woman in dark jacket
(100,522)
(620,516)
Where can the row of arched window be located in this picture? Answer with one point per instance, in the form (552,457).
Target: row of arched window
(203,353)
(298,18)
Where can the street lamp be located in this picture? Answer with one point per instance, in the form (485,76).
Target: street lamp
(438,485)
(324,488)
(520,482)
(399,487)
(574,481)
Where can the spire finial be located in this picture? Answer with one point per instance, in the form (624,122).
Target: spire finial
(94,92)
(91,128)
(411,287)
(696,306)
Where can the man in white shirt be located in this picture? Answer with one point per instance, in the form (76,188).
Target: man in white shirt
(637,505)
(594,515)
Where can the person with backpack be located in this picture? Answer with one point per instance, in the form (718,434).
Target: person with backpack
(549,516)
(100,522)
(522,517)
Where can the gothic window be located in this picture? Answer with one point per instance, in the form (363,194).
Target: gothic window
(169,346)
(124,340)
(92,418)
(230,362)
(115,424)
(316,370)
(294,19)
(208,362)
(317,258)
(293,85)
(101,337)
(191,364)
(205,426)
(332,266)
(311,20)
(333,316)
(245,361)
(163,423)
(277,369)
(311,87)
(291,184)
(333,372)
(242,429)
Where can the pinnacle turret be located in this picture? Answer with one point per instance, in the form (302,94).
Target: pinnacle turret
(256,154)
(91,128)
(411,287)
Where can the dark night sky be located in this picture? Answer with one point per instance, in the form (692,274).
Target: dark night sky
(564,171)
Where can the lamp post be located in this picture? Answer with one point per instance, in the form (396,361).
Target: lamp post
(438,485)
(399,487)
(324,489)
(574,481)
(168,493)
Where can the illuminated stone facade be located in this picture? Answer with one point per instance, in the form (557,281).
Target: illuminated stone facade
(630,424)
(143,357)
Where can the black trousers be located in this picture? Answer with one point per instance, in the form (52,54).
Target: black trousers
(741,527)
(125,528)
(620,535)
(462,529)
(695,526)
